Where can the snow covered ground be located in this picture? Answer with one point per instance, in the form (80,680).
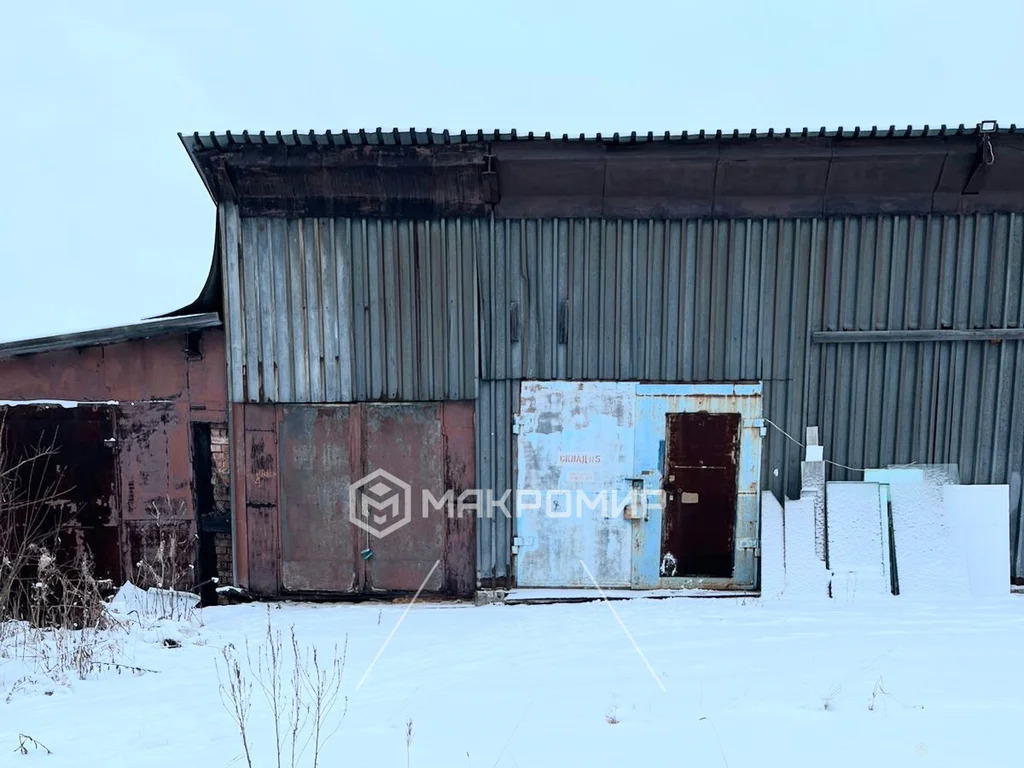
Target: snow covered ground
(746,683)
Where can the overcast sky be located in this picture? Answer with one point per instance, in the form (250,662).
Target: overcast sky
(103,220)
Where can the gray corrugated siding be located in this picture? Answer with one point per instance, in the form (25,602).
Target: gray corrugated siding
(412,310)
(348,310)
(495,460)
(705,300)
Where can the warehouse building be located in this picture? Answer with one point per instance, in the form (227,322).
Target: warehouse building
(562,315)
(453,362)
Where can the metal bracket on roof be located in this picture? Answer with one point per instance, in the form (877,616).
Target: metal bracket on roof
(490,179)
(986,156)
(987,128)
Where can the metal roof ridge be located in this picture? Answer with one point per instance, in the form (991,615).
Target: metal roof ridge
(412,137)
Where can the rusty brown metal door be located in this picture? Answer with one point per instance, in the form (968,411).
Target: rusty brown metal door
(392,453)
(261,509)
(699,519)
(405,441)
(319,545)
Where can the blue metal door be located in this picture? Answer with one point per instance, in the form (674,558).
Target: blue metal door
(592,480)
(575,455)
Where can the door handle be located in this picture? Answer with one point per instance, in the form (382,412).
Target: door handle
(635,508)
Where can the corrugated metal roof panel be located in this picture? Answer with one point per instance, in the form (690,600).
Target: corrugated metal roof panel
(427,175)
(415,137)
(146,330)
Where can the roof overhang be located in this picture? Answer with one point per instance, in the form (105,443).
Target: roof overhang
(414,174)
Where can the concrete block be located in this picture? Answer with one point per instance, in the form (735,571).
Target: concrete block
(979,520)
(928,562)
(812,487)
(857,548)
(805,572)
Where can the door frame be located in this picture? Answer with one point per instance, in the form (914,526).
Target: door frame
(651,403)
(654,401)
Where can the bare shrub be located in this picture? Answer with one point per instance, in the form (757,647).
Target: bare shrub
(34,513)
(408,742)
(52,614)
(67,595)
(828,701)
(879,691)
(301,691)
(236,696)
(165,543)
(24,741)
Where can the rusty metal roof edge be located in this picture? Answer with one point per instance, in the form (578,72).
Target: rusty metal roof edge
(92,338)
(412,137)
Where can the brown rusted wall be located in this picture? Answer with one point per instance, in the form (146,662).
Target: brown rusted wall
(291,466)
(147,369)
(260,484)
(459,557)
(293,533)
(160,385)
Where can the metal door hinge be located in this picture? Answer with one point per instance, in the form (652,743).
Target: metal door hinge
(753,544)
(518,542)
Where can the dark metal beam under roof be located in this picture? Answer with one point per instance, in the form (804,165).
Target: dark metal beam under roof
(426,174)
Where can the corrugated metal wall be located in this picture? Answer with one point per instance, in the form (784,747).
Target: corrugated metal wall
(413,310)
(350,310)
(705,300)
(495,459)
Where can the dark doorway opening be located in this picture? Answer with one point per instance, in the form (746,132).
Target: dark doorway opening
(699,520)
(211,519)
(61,474)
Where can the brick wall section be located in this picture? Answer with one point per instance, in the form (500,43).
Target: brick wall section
(221,466)
(222,497)
(223,546)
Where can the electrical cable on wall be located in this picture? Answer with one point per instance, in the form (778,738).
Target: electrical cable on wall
(827,461)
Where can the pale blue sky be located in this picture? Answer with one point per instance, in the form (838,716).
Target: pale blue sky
(103,220)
